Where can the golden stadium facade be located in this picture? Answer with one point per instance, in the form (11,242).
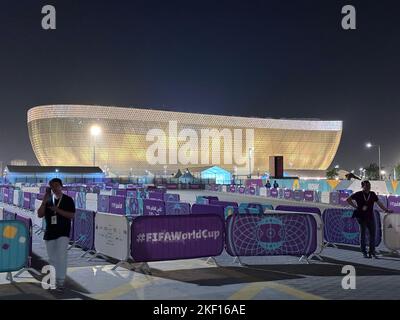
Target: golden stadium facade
(61,136)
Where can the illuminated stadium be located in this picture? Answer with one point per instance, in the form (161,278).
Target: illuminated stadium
(133,140)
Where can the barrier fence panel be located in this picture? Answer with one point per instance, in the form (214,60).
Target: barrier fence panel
(288,194)
(309,196)
(27,200)
(298,195)
(298,209)
(334,198)
(1,213)
(391,231)
(111,236)
(394,203)
(84,228)
(160,238)
(256,208)
(8,215)
(341,228)
(33,200)
(103,203)
(177,208)
(170,197)
(343,197)
(271,234)
(134,207)
(153,207)
(208,209)
(274,193)
(201,200)
(28,224)
(384,200)
(117,205)
(14,245)
(156,196)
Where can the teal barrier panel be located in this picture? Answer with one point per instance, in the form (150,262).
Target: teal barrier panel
(14,245)
(254,207)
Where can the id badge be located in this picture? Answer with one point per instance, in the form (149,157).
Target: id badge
(54,220)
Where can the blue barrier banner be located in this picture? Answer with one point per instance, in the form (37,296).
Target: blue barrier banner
(80,200)
(103,203)
(84,228)
(298,209)
(8,215)
(14,245)
(134,207)
(159,238)
(201,200)
(171,197)
(256,208)
(334,198)
(208,209)
(271,234)
(298,195)
(153,207)
(177,208)
(341,228)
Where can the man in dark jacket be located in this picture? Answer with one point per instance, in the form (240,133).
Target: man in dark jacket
(364,213)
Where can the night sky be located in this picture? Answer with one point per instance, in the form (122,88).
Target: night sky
(279,59)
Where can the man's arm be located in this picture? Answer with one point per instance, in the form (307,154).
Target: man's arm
(42,208)
(351,203)
(382,206)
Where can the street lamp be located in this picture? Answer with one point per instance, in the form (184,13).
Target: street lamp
(369,145)
(95,131)
(250,156)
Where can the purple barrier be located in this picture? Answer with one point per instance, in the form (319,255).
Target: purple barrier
(72,194)
(177,208)
(252,191)
(172,186)
(10,196)
(394,203)
(131,193)
(224,203)
(280,193)
(103,203)
(334,198)
(156,196)
(194,186)
(8,215)
(176,237)
(40,196)
(270,235)
(28,223)
(153,207)
(208,209)
(342,198)
(242,190)
(117,205)
(309,195)
(33,198)
(210,198)
(84,229)
(27,200)
(274,193)
(121,192)
(232,188)
(340,227)
(298,195)
(298,209)
(384,200)
(170,197)
(6,196)
(42,189)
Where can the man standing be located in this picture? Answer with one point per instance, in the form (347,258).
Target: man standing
(58,209)
(364,213)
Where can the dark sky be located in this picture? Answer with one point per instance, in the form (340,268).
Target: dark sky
(280,59)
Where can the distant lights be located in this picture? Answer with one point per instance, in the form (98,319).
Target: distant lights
(95,130)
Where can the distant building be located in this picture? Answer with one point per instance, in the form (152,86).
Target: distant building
(18,162)
(38,174)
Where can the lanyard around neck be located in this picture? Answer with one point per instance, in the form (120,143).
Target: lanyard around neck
(369,194)
(59,201)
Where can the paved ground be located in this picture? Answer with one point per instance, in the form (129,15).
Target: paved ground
(258,278)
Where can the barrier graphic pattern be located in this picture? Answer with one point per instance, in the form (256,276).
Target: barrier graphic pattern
(84,228)
(272,234)
(177,208)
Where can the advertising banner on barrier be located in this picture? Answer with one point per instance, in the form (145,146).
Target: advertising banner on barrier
(208,209)
(171,197)
(156,195)
(176,237)
(172,186)
(103,203)
(394,203)
(288,194)
(242,190)
(27,200)
(251,191)
(334,198)
(80,200)
(153,207)
(134,207)
(224,203)
(177,208)
(391,231)
(84,228)
(341,228)
(271,234)
(8,215)
(309,195)
(194,186)
(111,235)
(121,192)
(343,197)
(298,195)
(298,209)
(232,188)
(201,200)
(117,205)
(131,193)
(274,193)
(256,208)
(14,245)
(33,199)
(28,223)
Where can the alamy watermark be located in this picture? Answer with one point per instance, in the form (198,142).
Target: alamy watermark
(349,280)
